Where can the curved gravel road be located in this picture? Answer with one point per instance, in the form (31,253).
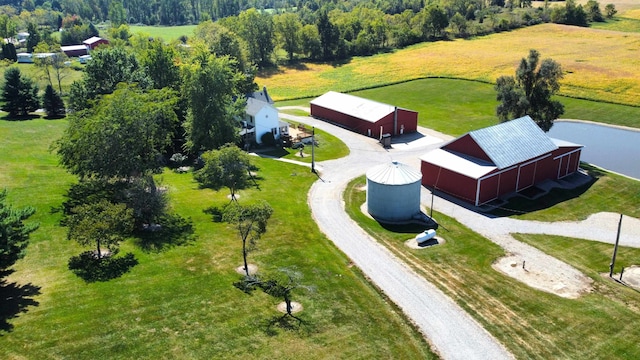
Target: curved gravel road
(451,331)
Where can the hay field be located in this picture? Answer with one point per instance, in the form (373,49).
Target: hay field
(598,64)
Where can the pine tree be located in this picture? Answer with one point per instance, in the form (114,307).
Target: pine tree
(53,104)
(14,234)
(19,94)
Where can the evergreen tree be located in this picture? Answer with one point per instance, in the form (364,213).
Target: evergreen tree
(53,104)
(9,52)
(34,37)
(14,234)
(19,94)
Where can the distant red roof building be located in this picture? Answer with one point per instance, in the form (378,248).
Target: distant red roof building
(74,50)
(95,41)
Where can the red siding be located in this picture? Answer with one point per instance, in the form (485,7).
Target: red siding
(488,189)
(508,181)
(466,145)
(448,181)
(406,118)
(526,176)
(502,182)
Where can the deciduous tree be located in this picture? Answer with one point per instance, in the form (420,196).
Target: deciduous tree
(211,88)
(288,27)
(256,28)
(251,223)
(227,167)
(610,10)
(530,91)
(123,136)
(159,62)
(101,224)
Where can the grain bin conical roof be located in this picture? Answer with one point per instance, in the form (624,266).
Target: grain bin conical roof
(394,173)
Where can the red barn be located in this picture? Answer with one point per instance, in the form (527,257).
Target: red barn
(94,42)
(364,116)
(485,164)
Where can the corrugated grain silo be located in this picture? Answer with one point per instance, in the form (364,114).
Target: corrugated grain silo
(393,192)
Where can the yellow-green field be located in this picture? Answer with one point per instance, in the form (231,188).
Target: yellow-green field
(599,64)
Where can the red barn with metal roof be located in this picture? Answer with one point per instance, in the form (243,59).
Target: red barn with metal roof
(94,42)
(485,164)
(364,116)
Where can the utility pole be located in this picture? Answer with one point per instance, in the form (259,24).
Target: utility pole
(431,210)
(615,248)
(313,146)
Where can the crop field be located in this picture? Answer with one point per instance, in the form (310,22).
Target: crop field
(598,64)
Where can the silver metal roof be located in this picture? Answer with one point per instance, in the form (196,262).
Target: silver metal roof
(394,173)
(361,108)
(460,163)
(513,142)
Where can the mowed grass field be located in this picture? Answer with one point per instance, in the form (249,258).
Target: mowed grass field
(598,64)
(455,107)
(532,324)
(181,303)
(166,33)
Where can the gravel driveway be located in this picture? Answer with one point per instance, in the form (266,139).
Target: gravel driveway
(451,331)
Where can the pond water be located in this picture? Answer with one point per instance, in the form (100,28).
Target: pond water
(608,147)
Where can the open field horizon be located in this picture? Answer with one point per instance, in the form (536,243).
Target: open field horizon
(599,65)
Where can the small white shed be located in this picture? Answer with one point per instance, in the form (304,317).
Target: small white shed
(393,192)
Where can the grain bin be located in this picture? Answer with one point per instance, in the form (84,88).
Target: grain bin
(393,192)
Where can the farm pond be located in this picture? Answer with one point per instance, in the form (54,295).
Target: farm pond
(608,147)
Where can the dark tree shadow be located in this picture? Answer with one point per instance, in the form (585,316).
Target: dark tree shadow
(90,268)
(285,322)
(20,117)
(522,203)
(171,230)
(14,300)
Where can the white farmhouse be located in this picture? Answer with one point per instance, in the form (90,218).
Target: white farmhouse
(261,117)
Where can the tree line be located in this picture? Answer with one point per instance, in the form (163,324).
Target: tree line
(311,29)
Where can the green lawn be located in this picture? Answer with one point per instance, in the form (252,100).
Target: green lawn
(37,75)
(618,24)
(532,324)
(607,192)
(167,33)
(455,107)
(329,147)
(180,303)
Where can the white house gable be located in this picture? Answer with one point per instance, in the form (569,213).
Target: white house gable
(263,117)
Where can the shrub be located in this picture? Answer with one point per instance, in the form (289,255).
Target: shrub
(268,139)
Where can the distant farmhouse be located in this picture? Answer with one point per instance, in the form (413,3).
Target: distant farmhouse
(261,117)
(364,116)
(486,164)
